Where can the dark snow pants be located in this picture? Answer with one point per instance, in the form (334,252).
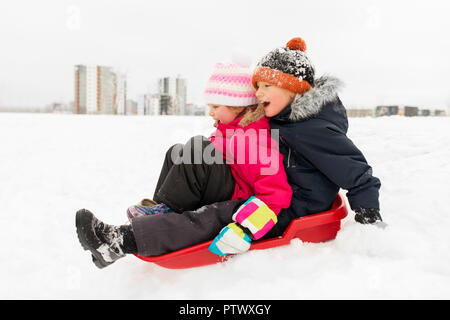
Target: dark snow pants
(197,188)
(167,232)
(188,179)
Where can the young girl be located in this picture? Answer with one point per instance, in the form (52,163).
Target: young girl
(238,162)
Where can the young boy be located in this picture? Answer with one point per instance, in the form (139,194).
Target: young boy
(318,156)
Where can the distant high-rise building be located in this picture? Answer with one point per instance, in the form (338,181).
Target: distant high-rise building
(121,93)
(91,90)
(80,102)
(99,90)
(173,95)
(166,105)
(149,104)
(168,85)
(181,95)
(106,81)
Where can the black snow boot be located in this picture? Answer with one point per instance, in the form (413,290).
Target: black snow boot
(107,243)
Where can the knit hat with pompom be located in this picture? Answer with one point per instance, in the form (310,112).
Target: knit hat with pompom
(230,83)
(286,67)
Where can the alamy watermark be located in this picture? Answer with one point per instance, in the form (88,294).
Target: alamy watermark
(249,147)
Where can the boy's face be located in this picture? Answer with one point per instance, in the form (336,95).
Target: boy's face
(273,98)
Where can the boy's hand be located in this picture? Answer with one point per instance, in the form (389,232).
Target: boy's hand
(369,216)
(232,239)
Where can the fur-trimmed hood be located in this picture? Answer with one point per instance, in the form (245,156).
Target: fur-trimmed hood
(310,104)
(252,116)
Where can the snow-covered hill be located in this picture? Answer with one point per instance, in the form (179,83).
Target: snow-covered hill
(53,165)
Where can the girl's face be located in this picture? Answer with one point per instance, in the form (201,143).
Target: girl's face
(272,98)
(223,114)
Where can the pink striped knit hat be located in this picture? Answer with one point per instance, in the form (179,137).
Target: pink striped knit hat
(231,85)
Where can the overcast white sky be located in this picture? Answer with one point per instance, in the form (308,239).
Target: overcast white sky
(385,51)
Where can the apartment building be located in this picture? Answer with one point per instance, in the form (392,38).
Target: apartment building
(173,95)
(99,90)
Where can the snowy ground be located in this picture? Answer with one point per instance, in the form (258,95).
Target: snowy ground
(53,165)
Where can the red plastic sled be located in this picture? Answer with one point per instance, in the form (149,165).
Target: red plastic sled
(318,227)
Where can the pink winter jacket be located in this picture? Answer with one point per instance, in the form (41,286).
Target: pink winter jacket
(255,162)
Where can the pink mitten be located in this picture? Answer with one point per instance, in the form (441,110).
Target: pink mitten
(256,216)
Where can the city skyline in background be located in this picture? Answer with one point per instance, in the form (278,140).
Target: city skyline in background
(103,90)
(385,52)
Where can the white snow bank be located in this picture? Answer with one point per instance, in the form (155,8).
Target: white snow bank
(53,165)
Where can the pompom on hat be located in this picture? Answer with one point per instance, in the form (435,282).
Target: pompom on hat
(286,67)
(230,84)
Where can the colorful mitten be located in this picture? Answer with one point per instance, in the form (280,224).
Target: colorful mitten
(232,239)
(256,216)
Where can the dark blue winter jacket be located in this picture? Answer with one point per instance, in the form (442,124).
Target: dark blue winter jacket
(318,156)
